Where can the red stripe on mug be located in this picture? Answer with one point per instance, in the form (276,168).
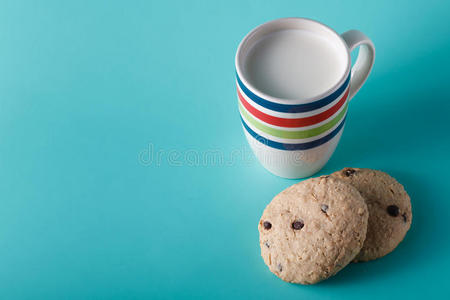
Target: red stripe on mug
(292,123)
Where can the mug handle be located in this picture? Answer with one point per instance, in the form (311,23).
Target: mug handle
(364,63)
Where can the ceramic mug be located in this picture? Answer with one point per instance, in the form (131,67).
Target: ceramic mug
(294,138)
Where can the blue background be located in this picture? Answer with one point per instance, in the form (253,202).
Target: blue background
(90,89)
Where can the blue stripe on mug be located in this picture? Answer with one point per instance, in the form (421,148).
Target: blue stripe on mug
(293,108)
(293,147)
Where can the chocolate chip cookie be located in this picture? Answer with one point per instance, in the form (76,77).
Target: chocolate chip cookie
(389,207)
(313,229)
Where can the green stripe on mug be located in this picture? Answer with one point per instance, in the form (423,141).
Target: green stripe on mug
(292,134)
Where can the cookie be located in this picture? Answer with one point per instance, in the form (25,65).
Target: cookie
(313,229)
(389,207)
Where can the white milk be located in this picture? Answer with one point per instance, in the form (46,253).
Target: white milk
(294,64)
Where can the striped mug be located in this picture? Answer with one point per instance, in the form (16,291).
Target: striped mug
(294,81)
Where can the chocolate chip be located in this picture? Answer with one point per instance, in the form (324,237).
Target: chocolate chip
(267,244)
(267,225)
(280,268)
(348,172)
(392,210)
(324,208)
(297,225)
(404,217)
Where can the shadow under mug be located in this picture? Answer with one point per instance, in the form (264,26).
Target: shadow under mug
(296,138)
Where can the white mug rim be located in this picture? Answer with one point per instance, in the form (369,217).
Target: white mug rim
(274,99)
